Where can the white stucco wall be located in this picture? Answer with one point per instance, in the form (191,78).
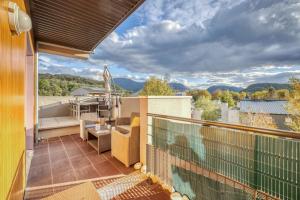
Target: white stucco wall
(179,106)
(129,105)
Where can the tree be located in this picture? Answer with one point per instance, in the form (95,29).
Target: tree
(196,94)
(243,95)
(227,98)
(217,95)
(294,106)
(283,94)
(235,96)
(156,87)
(44,87)
(271,93)
(259,95)
(210,109)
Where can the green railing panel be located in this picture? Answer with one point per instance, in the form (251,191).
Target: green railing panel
(260,162)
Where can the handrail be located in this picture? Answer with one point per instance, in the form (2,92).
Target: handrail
(265,131)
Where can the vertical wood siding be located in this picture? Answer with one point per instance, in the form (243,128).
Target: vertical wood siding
(12,134)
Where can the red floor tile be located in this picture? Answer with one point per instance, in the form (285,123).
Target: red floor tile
(107,169)
(87,149)
(66,138)
(40,175)
(41,151)
(64,177)
(86,173)
(95,158)
(57,146)
(40,160)
(74,152)
(70,145)
(53,139)
(61,166)
(79,162)
(41,145)
(58,155)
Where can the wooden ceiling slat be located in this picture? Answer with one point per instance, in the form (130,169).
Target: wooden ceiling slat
(117,9)
(80,24)
(71,29)
(41,15)
(65,12)
(131,3)
(63,38)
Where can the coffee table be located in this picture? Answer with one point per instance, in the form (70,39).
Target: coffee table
(99,139)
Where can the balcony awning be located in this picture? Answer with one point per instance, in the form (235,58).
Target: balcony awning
(75,27)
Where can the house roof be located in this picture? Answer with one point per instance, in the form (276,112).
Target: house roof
(269,107)
(87,90)
(94,90)
(76,27)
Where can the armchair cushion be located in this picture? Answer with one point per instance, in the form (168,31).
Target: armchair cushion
(123,121)
(125,129)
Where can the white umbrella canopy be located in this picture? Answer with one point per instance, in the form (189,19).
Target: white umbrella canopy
(107,79)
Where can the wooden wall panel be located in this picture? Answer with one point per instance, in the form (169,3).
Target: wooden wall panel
(29,102)
(12,134)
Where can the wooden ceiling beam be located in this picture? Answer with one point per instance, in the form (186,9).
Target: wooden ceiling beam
(62,51)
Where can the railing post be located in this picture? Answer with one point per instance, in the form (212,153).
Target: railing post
(143,128)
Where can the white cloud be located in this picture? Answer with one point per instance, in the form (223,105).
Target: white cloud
(194,36)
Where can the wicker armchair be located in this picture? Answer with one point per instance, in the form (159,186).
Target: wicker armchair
(125,140)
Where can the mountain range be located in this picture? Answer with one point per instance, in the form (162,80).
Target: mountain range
(251,88)
(67,83)
(265,86)
(214,88)
(136,86)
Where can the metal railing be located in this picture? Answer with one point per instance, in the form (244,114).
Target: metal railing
(213,160)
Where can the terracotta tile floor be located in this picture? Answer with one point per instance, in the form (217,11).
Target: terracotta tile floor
(146,190)
(68,158)
(143,191)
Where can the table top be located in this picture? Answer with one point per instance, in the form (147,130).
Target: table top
(98,132)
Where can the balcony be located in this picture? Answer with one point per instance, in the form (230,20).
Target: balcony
(182,157)
(199,159)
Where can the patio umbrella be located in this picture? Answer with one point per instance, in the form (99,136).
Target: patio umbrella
(107,80)
(107,84)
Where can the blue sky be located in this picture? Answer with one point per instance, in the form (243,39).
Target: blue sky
(199,43)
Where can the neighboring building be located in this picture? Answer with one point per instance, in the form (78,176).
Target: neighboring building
(275,109)
(180,93)
(197,113)
(88,91)
(229,115)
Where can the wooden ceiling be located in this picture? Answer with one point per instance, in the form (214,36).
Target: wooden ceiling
(77,26)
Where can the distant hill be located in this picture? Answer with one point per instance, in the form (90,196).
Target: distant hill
(136,86)
(178,86)
(214,88)
(129,84)
(76,79)
(264,86)
(64,84)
